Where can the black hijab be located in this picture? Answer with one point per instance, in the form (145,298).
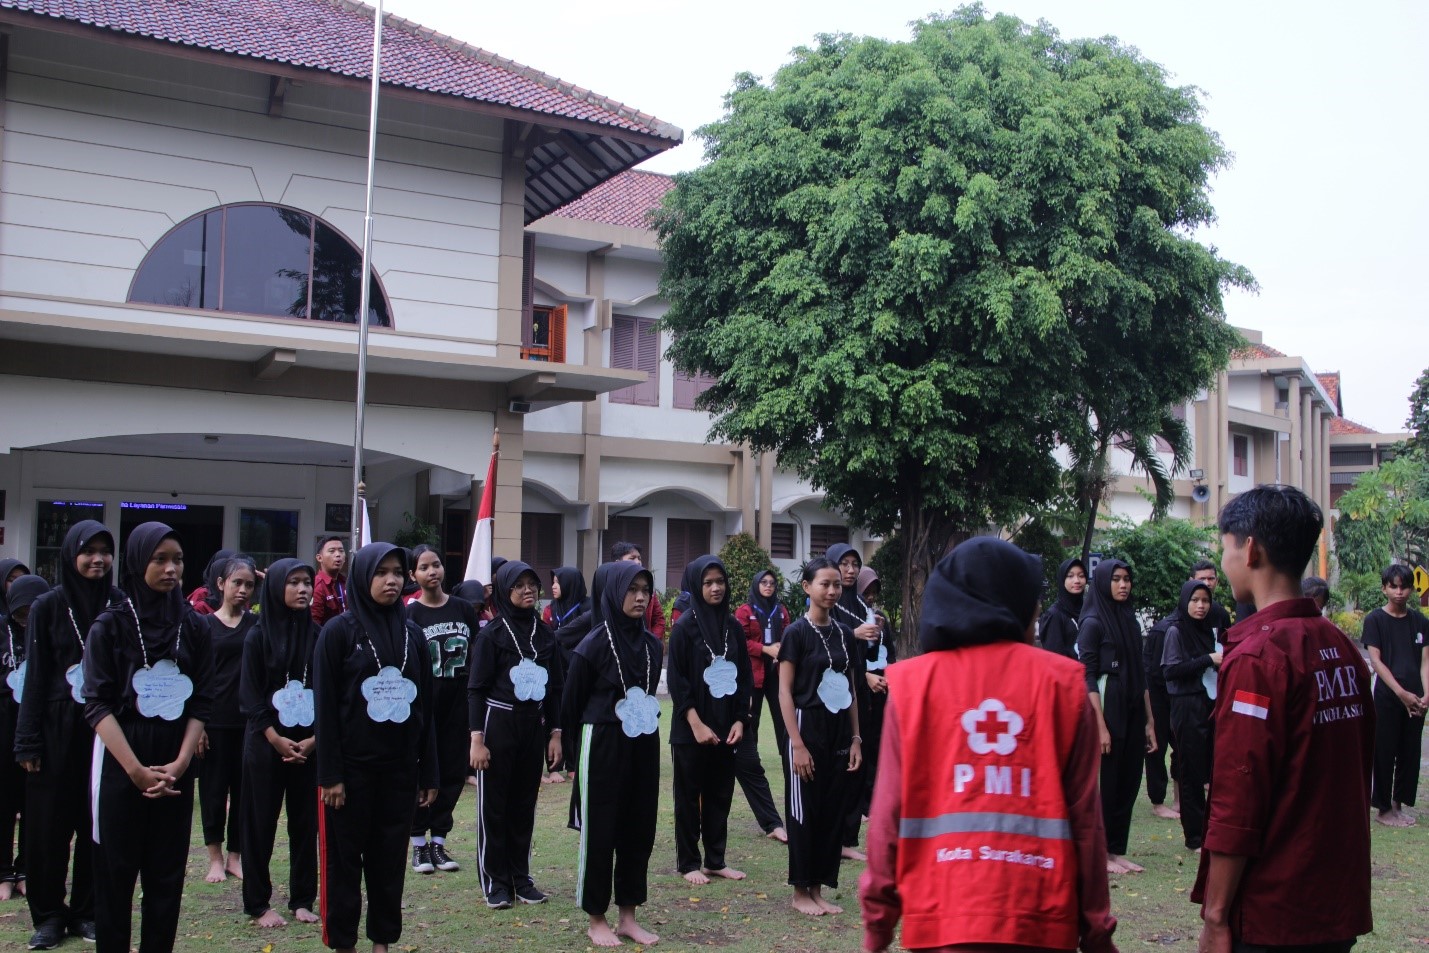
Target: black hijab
(211,572)
(287,634)
(986,590)
(767,609)
(711,619)
(1198,636)
(86,598)
(573,595)
(853,607)
(1066,602)
(473,591)
(627,632)
(384,626)
(23,593)
(1119,623)
(159,610)
(8,566)
(597,592)
(502,583)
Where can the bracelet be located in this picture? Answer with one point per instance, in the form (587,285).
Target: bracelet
(858,738)
(555,731)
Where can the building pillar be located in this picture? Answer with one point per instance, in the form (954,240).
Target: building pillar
(511,243)
(1297,433)
(588,554)
(746,489)
(506,534)
(766,500)
(1310,436)
(1220,476)
(1325,465)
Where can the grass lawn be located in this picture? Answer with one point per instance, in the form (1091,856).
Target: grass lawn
(445,913)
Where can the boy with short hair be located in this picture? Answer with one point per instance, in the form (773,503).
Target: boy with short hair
(1316,590)
(330,586)
(1394,635)
(1294,730)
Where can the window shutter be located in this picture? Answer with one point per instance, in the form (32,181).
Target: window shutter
(631,529)
(685,541)
(647,359)
(781,540)
(541,544)
(557,333)
(822,536)
(684,392)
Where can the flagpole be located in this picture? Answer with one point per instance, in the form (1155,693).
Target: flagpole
(364,297)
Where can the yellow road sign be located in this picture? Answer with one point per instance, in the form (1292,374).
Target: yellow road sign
(1421,580)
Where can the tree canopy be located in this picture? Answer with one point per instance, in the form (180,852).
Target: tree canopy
(918,267)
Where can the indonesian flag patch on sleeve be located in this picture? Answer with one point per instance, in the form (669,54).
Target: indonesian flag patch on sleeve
(1249,703)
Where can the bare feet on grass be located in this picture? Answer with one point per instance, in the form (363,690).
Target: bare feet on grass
(728,873)
(853,853)
(805,903)
(628,928)
(779,834)
(269,918)
(600,933)
(696,877)
(216,874)
(304,915)
(1170,814)
(234,865)
(825,904)
(7,890)
(1393,818)
(1129,866)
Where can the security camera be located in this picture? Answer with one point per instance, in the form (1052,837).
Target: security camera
(519,406)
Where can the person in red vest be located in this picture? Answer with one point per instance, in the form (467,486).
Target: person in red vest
(986,827)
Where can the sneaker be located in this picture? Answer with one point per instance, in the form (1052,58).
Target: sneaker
(499,899)
(437,854)
(529,894)
(422,859)
(48,936)
(84,929)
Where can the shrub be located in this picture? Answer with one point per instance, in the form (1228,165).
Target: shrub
(743,559)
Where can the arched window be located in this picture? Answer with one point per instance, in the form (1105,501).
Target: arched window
(259,259)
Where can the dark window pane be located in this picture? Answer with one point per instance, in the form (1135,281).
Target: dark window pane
(182,270)
(268,535)
(336,292)
(265,261)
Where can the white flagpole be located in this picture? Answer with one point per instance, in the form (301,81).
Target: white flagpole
(364,298)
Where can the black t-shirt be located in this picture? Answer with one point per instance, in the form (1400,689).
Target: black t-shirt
(1401,646)
(227,651)
(448,630)
(813,654)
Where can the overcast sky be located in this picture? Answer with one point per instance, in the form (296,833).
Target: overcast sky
(1323,105)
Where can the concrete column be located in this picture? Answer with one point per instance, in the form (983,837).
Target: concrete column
(766,500)
(1307,426)
(506,536)
(510,246)
(588,541)
(746,489)
(1325,464)
(1297,433)
(1220,476)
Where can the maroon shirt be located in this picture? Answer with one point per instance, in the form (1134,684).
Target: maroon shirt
(1290,780)
(329,597)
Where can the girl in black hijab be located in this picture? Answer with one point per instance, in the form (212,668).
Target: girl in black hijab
(514,694)
(1109,645)
(610,700)
(710,684)
(568,603)
(376,747)
(22,592)
(1190,662)
(279,767)
(147,687)
(220,768)
(851,610)
(207,598)
(10,570)
(54,743)
(1057,629)
(763,619)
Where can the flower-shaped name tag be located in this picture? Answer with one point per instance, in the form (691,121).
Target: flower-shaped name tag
(1208,679)
(389,695)
(638,712)
(529,680)
(75,676)
(16,681)
(881,662)
(834,691)
(722,678)
(162,690)
(294,705)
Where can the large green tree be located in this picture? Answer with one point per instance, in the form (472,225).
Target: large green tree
(905,262)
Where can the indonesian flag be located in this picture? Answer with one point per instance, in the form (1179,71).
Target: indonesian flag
(364,532)
(1249,703)
(478,564)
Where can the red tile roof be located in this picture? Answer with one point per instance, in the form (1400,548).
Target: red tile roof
(625,199)
(335,36)
(1344,425)
(1330,380)
(1255,352)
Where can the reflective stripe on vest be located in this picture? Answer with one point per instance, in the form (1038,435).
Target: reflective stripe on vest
(973,822)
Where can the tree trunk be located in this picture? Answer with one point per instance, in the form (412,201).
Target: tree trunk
(927,537)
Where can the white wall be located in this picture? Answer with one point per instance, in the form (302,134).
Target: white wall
(1243,391)
(101,162)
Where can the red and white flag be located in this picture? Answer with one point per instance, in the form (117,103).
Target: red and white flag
(1249,703)
(478,564)
(364,531)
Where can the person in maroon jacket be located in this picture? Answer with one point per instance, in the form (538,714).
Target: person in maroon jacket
(655,614)
(330,586)
(1292,751)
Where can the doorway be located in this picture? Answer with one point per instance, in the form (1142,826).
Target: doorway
(199,528)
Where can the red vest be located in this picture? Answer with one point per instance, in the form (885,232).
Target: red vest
(985,848)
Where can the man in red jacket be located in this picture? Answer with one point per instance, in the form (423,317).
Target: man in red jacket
(1293,749)
(985,829)
(330,586)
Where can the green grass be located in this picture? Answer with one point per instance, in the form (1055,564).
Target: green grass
(445,913)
